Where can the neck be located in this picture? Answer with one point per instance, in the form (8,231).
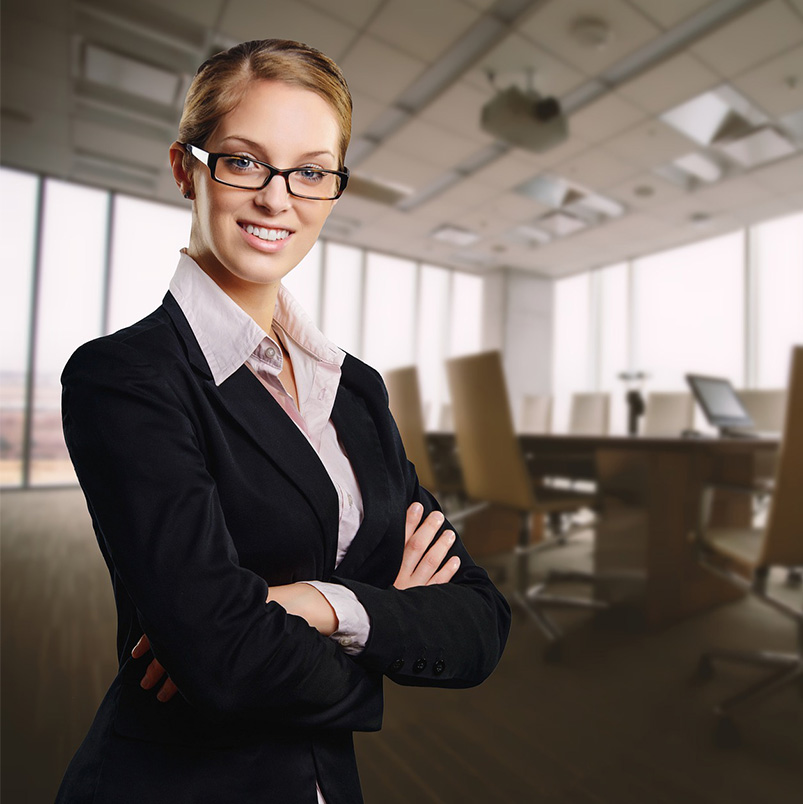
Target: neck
(256,299)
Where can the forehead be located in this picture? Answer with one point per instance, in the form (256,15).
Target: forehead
(283,116)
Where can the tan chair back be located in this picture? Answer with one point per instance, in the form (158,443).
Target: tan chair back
(783,541)
(493,466)
(536,413)
(590,414)
(445,419)
(405,405)
(668,413)
(767,407)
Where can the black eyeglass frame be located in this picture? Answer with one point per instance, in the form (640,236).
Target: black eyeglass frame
(211,160)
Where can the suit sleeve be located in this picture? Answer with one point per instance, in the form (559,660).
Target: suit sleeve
(445,635)
(160,522)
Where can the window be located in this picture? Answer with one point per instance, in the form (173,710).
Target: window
(342,304)
(304,283)
(777,258)
(139,281)
(689,313)
(389,312)
(70,311)
(433,329)
(573,364)
(19,195)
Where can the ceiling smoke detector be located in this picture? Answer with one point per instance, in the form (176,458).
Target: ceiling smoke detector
(591,32)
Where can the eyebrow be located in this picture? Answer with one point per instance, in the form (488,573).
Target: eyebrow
(256,146)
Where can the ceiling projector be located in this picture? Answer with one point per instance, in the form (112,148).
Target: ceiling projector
(525,119)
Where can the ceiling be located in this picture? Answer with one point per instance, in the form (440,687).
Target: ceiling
(92,91)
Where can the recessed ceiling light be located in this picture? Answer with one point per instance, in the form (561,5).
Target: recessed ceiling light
(455,235)
(764,145)
(699,166)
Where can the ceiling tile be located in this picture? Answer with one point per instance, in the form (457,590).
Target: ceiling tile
(731,194)
(201,12)
(398,70)
(783,177)
(400,169)
(56,13)
(354,12)
(458,110)
(242,18)
(596,169)
(431,144)
(604,117)
(508,171)
(422,28)
(514,208)
(669,83)
(644,191)
(650,144)
(52,53)
(669,14)
(515,58)
(777,86)
(751,38)
(366,110)
(551,27)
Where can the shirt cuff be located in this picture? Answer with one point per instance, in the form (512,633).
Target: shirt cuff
(354,624)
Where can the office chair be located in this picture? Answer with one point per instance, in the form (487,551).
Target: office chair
(589,413)
(536,413)
(668,413)
(744,557)
(494,471)
(767,408)
(405,404)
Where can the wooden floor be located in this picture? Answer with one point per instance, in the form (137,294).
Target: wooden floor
(618,721)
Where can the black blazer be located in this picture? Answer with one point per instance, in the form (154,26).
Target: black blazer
(200,497)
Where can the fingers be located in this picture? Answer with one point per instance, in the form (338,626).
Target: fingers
(414,513)
(152,675)
(417,544)
(169,689)
(142,647)
(428,565)
(446,572)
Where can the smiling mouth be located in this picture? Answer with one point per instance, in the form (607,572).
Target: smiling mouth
(266,234)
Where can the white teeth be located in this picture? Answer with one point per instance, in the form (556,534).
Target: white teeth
(267,234)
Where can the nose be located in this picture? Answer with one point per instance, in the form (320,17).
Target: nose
(274,196)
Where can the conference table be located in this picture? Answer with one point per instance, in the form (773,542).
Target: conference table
(650,491)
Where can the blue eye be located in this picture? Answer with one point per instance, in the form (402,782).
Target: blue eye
(239,163)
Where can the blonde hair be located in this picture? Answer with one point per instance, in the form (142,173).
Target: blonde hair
(221,81)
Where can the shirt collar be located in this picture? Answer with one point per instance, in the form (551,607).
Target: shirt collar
(228,336)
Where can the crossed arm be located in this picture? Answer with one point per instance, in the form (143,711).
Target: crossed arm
(421,565)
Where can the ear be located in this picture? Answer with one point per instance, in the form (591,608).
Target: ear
(182,177)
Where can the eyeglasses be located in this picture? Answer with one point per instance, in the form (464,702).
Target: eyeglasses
(246,173)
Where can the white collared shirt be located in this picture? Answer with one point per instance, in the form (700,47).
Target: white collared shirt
(230,338)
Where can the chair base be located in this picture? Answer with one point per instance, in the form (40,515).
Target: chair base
(787,670)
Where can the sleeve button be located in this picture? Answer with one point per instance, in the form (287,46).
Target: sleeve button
(396,665)
(419,665)
(439,667)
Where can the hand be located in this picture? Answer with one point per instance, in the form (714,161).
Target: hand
(307,602)
(154,673)
(421,558)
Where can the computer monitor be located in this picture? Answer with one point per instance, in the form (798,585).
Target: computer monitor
(720,402)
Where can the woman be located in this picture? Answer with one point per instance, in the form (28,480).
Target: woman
(248,487)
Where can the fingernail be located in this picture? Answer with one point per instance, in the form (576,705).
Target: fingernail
(449,536)
(145,683)
(161,695)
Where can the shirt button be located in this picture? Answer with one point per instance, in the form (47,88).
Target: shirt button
(438,667)
(346,641)
(271,352)
(419,665)
(396,666)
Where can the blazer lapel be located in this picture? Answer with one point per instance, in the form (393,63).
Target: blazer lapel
(357,432)
(261,416)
